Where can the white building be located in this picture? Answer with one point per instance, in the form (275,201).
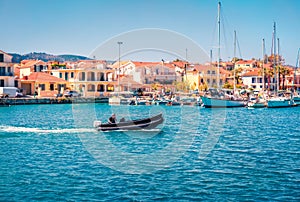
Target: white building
(7,77)
(253,79)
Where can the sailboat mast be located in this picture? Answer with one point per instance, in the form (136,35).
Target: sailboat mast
(297,63)
(275,64)
(234,58)
(278,68)
(263,62)
(219,45)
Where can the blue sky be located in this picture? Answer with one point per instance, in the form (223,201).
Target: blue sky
(79,26)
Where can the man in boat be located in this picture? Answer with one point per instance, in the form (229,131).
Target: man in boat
(112,119)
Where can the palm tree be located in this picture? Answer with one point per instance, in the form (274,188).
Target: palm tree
(284,71)
(269,73)
(238,72)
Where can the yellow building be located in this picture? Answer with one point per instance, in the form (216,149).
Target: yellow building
(89,77)
(201,77)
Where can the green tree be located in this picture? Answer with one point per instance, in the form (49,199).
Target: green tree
(238,73)
(228,85)
(284,71)
(182,86)
(269,72)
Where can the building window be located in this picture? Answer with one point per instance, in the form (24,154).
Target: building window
(214,81)
(91,88)
(208,71)
(42,86)
(253,80)
(60,75)
(51,86)
(82,76)
(2,71)
(1,57)
(213,72)
(208,80)
(72,74)
(1,83)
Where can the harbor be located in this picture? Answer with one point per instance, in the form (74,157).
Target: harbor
(149,100)
(247,153)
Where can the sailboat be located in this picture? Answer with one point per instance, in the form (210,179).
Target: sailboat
(280,100)
(296,95)
(216,98)
(257,101)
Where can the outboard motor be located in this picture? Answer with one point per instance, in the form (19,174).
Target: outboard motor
(97,124)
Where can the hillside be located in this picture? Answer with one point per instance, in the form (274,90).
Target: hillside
(46,57)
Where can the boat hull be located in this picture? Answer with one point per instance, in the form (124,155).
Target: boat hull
(209,102)
(280,103)
(297,100)
(256,105)
(148,123)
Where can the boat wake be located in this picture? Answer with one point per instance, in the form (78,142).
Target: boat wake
(15,129)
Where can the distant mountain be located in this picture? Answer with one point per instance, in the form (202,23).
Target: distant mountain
(46,57)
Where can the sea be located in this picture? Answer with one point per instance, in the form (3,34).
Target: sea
(53,153)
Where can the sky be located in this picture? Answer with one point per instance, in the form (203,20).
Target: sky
(82,27)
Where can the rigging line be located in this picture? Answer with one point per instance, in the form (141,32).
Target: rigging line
(224,35)
(272,44)
(265,59)
(214,36)
(238,44)
(229,27)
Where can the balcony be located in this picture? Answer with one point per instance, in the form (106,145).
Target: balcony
(6,74)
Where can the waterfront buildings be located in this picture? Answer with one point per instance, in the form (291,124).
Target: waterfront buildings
(99,77)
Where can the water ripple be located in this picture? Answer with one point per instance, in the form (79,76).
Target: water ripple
(255,157)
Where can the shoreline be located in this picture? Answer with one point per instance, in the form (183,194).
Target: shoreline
(31,101)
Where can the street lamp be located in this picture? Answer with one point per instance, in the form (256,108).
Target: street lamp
(119,43)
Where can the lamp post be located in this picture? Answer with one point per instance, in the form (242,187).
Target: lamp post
(119,43)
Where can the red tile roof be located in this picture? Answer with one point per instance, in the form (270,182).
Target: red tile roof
(245,62)
(43,77)
(253,72)
(31,63)
(142,64)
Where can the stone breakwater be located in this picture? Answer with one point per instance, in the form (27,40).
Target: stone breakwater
(29,101)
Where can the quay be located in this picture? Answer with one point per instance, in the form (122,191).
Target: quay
(30,100)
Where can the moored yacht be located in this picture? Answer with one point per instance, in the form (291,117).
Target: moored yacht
(280,102)
(219,99)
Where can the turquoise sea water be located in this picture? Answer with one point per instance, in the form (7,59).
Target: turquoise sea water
(52,153)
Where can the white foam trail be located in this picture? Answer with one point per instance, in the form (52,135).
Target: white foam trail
(14,129)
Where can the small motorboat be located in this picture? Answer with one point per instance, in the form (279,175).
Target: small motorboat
(139,124)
